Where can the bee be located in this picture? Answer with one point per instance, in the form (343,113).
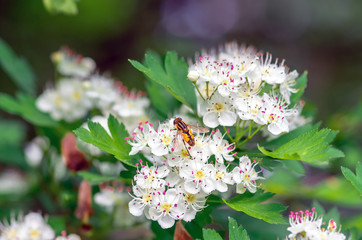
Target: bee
(184,133)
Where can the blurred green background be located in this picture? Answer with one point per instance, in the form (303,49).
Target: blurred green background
(323,37)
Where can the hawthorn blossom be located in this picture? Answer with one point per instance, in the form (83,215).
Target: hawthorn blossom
(151,177)
(197,176)
(101,91)
(219,112)
(140,137)
(162,140)
(32,226)
(308,225)
(69,63)
(166,208)
(245,176)
(66,102)
(142,199)
(220,147)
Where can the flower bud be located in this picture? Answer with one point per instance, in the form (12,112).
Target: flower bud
(72,157)
(193,76)
(84,207)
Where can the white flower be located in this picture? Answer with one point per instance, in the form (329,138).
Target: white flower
(162,140)
(222,177)
(245,176)
(308,225)
(67,102)
(102,91)
(69,63)
(166,208)
(9,230)
(193,204)
(142,199)
(286,87)
(272,73)
(35,228)
(275,114)
(151,177)
(221,148)
(197,175)
(131,106)
(304,224)
(220,112)
(251,108)
(204,68)
(140,137)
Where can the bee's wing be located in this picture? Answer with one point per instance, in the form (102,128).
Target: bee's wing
(198,129)
(177,140)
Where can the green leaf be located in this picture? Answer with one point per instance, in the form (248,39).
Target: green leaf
(61,6)
(114,144)
(172,75)
(237,232)
(252,204)
(286,137)
(164,103)
(94,178)
(24,106)
(356,180)
(17,68)
(210,234)
(301,84)
(312,146)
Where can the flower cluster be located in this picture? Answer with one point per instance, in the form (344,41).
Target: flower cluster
(80,89)
(32,226)
(239,82)
(308,226)
(177,185)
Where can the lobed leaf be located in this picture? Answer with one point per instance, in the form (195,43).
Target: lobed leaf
(237,232)
(312,146)
(17,68)
(210,234)
(252,204)
(356,180)
(171,74)
(114,144)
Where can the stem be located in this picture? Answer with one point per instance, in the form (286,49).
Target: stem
(231,139)
(250,136)
(240,132)
(212,94)
(198,90)
(250,126)
(207,90)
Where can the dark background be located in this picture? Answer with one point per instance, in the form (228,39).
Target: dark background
(323,37)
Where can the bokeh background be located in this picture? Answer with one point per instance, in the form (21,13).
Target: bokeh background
(323,37)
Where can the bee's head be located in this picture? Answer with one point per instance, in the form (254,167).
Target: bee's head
(176,120)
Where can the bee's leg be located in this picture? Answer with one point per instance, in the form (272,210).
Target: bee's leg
(187,149)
